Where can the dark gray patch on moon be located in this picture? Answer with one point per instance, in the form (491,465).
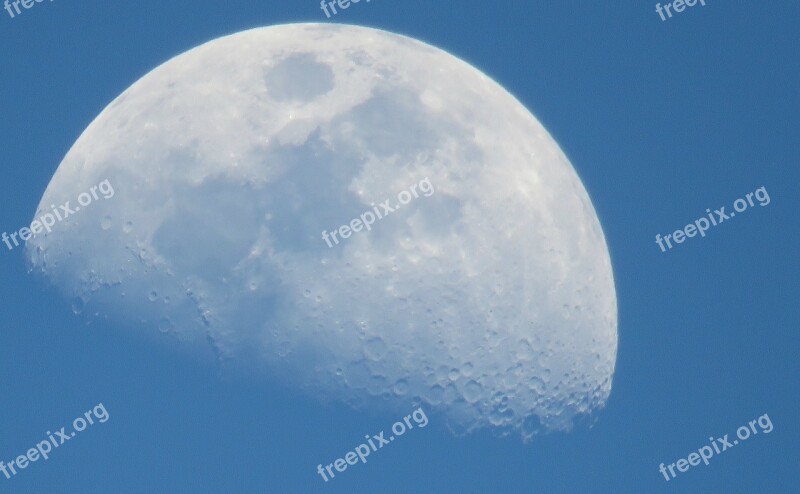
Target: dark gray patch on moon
(298,77)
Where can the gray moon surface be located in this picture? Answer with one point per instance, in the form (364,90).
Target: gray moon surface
(491,301)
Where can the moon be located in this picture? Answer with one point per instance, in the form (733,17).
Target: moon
(490,300)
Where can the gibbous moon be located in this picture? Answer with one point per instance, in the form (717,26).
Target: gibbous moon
(491,301)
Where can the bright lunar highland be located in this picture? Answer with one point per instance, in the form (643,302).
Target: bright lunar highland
(491,301)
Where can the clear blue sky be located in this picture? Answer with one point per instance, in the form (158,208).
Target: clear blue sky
(661,119)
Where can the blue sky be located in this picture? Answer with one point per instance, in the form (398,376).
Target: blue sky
(660,119)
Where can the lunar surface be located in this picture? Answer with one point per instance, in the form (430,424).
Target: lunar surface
(489,300)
